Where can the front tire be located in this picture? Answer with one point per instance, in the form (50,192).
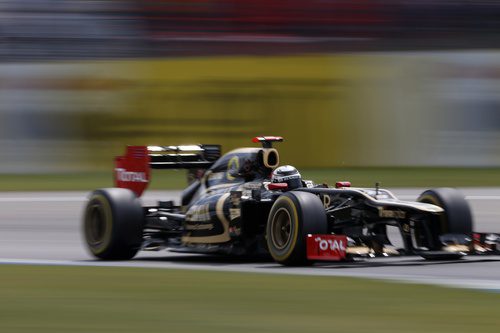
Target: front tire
(456,219)
(113,223)
(293,216)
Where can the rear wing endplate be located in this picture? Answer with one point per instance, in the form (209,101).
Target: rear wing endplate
(133,170)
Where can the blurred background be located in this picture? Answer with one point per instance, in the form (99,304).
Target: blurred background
(402,92)
(348,83)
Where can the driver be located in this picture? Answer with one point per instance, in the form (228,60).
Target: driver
(289,175)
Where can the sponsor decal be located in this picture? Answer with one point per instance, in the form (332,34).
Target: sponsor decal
(232,168)
(198,213)
(395,214)
(326,247)
(329,244)
(132,169)
(282,179)
(130,176)
(326,201)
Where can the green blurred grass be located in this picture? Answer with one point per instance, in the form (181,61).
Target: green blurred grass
(363,177)
(91,299)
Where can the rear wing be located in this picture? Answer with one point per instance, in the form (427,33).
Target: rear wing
(133,170)
(183,157)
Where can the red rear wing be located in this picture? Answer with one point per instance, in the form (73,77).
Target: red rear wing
(133,170)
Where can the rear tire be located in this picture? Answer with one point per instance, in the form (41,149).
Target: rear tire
(293,216)
(113,223)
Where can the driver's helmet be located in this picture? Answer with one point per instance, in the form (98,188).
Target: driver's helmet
(287,174)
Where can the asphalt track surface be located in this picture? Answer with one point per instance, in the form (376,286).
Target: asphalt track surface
(44,228)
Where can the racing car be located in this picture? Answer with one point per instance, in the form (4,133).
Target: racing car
(244,203)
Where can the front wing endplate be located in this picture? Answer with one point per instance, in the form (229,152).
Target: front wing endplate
(326,247)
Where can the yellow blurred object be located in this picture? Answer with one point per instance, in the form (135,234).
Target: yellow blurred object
(337,110)
(310,100)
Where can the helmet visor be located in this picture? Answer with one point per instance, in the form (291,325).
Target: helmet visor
(294,183)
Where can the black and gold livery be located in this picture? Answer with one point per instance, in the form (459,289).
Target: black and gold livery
(232,206)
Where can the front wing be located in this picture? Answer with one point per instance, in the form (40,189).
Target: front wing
(336,247)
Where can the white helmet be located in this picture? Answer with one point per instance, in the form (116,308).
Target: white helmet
(287,174)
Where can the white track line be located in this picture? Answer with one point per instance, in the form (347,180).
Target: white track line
(490,285)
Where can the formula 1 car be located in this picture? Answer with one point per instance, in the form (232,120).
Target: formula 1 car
(242,203)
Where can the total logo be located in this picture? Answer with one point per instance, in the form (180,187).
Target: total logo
(328,244)
(130,176)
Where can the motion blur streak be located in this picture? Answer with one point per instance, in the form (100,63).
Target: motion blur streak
(79,79)
(52,29)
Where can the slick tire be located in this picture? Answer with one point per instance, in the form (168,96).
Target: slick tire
(294,215)
(457,217)
(113,224)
